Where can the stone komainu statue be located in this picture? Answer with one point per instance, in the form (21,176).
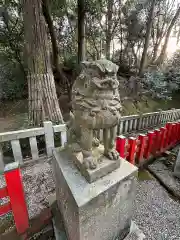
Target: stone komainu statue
(96,105)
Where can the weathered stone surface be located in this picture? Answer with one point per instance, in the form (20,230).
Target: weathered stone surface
(176,172)
(104,165)
(96,105)
(135,233)
(101,210)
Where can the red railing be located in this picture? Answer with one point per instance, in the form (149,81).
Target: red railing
(135,150)
(15,192)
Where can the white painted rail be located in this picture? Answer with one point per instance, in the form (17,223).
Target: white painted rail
(127,124)
(15,138)
(135,123)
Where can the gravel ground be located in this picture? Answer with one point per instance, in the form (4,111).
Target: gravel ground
(38,184)
(156,214)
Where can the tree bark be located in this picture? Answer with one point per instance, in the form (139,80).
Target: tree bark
(63,82)
(81,31)
(164,48)
(47,15)
(178,37)
(108,29)
(155,51)
(147,38)
(43,102)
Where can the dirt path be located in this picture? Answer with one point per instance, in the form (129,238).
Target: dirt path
(13,115)
(12,123)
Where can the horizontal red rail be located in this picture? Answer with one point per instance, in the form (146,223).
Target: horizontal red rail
(154,143)
(5,208)
(3,192)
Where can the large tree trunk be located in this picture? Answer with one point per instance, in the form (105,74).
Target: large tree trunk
(43,102)
(164,48)
(147,38)
(81,31)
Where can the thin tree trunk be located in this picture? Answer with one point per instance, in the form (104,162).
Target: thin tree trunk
(43,102)
(108,47)
(47,15)
(63,82)
(178,37)
(147,38)
(108,30)
(155,52)
(164,48)
(81,31)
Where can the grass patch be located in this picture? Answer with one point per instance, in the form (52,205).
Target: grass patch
(144,175)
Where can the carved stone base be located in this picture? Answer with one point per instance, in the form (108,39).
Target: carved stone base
(101,210)
(104,166)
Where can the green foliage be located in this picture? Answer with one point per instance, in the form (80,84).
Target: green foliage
(162,84)
(70,62)
(174,62)
(12,78)
(12,82)
(127,27)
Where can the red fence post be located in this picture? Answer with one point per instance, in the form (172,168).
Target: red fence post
(173,135)
(177,127)
(162,140)
(140,154)
(168,135)
(157,139)
(178,131)
(16,194)
(120,145)
(149,145)
(132,150)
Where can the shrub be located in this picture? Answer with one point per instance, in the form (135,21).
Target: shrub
(12,82)
(162,84)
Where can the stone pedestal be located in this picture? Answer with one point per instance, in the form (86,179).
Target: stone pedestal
(104,166)
(176,171)
(101,210)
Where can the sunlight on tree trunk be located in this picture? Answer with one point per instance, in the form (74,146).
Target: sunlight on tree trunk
(147,38)
(164,48)
(43,102)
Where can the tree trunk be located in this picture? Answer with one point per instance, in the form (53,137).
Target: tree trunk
(147,38)
(155,52)
(47,15)
(178,37)
(108,29)
(108,47)
(164,48)
(81,31)
(63,82)
(43,102)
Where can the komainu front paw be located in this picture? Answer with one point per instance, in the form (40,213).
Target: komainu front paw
(112,154)
(90,163)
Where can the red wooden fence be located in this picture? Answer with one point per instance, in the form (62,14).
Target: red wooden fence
(135,150)
(15,192)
